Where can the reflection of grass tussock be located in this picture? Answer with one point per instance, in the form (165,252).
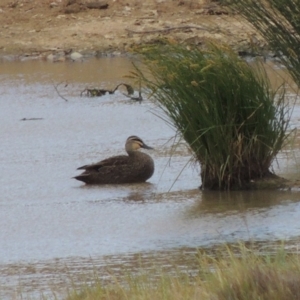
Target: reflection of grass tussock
(231,274)
(225,110)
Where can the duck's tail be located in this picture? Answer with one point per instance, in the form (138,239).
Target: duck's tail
(82,177)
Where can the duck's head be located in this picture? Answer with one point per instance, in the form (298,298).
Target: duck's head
(134,143)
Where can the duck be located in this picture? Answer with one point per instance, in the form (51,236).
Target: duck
(132,168)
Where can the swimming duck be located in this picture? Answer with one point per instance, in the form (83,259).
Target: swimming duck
(134,167)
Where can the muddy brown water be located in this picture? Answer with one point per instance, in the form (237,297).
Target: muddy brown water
(55,231)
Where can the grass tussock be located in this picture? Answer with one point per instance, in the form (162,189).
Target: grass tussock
(247,275)
(225,109)
(235,274)
(279,23)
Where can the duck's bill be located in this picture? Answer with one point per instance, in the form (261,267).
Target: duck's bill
(147,147)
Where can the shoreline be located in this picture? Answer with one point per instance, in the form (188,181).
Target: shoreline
(36,29)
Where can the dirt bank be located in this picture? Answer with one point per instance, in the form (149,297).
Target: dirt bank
(41,27)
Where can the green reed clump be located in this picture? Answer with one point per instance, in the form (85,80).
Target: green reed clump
(279,23)
(224,108)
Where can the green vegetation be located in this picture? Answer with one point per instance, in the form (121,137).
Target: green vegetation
(237,274)
(278,22)
(224,108)
(235,125)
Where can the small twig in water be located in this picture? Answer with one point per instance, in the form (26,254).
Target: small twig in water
(139,98)
(58,93)
(131,91)
(95,92)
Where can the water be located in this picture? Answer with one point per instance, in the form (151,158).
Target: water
(52,226)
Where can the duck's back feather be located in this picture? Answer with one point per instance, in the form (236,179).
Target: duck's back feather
(109,162)
(138,167)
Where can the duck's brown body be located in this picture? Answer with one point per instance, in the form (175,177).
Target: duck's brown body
(134,167)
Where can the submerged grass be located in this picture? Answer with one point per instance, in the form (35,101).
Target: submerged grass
(225,109)
(233,273)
